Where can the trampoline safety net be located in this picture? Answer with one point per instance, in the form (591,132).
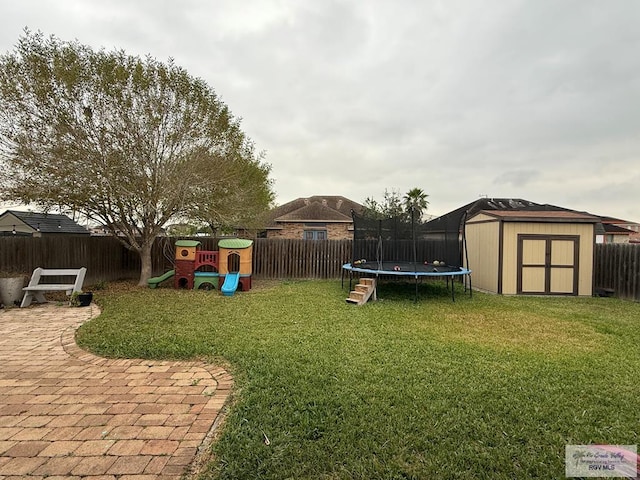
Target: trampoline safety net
(403,239)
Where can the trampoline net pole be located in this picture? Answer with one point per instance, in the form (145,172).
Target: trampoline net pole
(413,245)
(413,238)
(379,253)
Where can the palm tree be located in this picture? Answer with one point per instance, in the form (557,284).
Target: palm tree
(416,199)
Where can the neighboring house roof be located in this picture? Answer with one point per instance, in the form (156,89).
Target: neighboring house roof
(45,223)
(314,212)
(611,229)
(509,208)
(328,209)
(500,204)
(617,226)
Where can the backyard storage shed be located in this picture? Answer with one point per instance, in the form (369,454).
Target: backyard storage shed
(535,252)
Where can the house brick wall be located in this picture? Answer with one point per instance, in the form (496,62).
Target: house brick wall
(618,238)
(335,231)
(289,230)
(339,231)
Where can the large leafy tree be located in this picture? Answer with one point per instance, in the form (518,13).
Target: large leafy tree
(130,142)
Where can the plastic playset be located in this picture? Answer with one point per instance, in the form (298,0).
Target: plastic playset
(228,269)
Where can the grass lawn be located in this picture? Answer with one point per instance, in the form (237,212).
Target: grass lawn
(487,387)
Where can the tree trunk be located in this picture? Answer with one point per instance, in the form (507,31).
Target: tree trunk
(145,260)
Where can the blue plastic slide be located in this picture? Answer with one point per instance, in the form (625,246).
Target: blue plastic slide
(230,284)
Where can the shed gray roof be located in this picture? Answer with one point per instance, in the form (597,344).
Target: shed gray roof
(47,222)
(546,215)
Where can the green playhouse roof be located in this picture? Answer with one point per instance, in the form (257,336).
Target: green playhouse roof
(187,243)
(235,243)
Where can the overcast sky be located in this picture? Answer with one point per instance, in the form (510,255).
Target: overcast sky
(533,99)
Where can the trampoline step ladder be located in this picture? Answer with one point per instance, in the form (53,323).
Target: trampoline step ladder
(363,292)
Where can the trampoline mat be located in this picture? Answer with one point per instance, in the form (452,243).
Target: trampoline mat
(405,268)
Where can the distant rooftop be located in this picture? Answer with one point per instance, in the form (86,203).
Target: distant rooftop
(46,223)
(318,208)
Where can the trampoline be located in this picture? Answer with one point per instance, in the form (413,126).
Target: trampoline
(407,269)
(404,241)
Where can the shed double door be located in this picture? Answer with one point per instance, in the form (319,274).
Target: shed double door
(548,264)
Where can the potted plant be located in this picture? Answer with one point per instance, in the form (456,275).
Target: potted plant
(11,284)
(81,299)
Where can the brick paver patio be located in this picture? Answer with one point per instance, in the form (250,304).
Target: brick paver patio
(67,413)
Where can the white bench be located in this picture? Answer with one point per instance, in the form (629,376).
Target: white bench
(35,289)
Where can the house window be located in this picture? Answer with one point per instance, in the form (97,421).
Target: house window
(315,235)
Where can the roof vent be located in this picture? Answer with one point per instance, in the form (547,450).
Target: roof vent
(339,204)
(324,202)
(306,201)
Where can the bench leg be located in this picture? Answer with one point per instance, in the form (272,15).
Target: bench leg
(30,296)
(26,300)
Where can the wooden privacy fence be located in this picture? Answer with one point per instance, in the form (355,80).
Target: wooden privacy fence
(281,258)
(107,259)
(617,267)
(104,257)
